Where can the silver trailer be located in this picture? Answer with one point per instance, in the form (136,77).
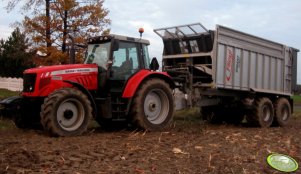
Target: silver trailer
(230,74)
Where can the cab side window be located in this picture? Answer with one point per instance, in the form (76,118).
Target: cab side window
(125,60)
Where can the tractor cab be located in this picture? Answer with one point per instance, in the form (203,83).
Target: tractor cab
(118,58)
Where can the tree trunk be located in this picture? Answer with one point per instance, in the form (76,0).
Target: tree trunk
(65,32)
(48,34)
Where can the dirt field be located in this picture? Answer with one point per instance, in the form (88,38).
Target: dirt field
(189,147)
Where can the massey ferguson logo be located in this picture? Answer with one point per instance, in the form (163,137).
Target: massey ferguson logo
(72,71)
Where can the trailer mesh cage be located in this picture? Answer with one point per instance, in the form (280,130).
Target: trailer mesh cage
(184,39)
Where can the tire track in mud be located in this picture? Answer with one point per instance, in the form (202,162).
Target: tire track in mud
(191,147)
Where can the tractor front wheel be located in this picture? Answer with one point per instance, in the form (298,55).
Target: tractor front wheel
(66,112)
(153,106)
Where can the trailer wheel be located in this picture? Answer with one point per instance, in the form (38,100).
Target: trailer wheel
(263,113)
(66,112)
(282,112)
(153,106)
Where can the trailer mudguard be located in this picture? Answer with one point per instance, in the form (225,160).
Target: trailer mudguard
(137,79)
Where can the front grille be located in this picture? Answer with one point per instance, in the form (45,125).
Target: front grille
(29,82)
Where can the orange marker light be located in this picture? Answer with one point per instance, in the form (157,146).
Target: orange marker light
(141,30)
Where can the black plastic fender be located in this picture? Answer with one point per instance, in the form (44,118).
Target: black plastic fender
(9,106)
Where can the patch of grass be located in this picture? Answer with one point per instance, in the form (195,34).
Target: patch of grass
(6,124)
(4,93)
(297,111)
(297,99)
(188,114)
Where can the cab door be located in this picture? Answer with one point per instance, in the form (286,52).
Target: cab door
(125,64)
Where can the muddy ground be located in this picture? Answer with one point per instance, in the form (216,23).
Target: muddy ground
(191,146)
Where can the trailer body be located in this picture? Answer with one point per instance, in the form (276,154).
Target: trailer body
(246,62)
(228,68)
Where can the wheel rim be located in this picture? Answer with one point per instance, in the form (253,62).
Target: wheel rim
(70,114)
(156,106)
(284,113)
(266,113)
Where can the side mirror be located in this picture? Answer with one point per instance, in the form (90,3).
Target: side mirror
(154,65)
(116,45)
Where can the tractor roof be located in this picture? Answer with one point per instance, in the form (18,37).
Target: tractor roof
(119,37)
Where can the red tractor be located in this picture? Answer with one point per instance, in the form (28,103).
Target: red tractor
(117,82)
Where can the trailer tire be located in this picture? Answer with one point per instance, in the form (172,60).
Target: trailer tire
(66,112)
(153,106)
(282,112)
(263,113)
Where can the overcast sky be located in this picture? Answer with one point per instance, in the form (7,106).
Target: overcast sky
(276,20)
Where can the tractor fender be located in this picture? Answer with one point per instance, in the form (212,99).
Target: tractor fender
(85,91)
(137,79)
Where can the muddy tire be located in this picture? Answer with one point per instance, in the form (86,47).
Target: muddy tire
(211,114)
(66,112)
(282,112)
(263,113)
(153,106)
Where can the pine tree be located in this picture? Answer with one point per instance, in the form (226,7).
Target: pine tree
(15,56)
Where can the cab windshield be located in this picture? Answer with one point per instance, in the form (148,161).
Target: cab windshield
(99,54)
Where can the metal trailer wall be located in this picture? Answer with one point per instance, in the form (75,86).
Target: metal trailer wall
(245,62)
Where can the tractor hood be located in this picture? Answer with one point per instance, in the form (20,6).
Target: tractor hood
(63,69)
(41,81)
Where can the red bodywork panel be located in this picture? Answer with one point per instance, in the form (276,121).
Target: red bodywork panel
(134,82)
(50,78)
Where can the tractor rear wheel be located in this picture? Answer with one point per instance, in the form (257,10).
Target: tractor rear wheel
(153,106)
(282,112)
(66,112)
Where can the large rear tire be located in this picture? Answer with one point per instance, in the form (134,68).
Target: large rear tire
(66,112)
(263,113)
(153,106)
(282,112)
